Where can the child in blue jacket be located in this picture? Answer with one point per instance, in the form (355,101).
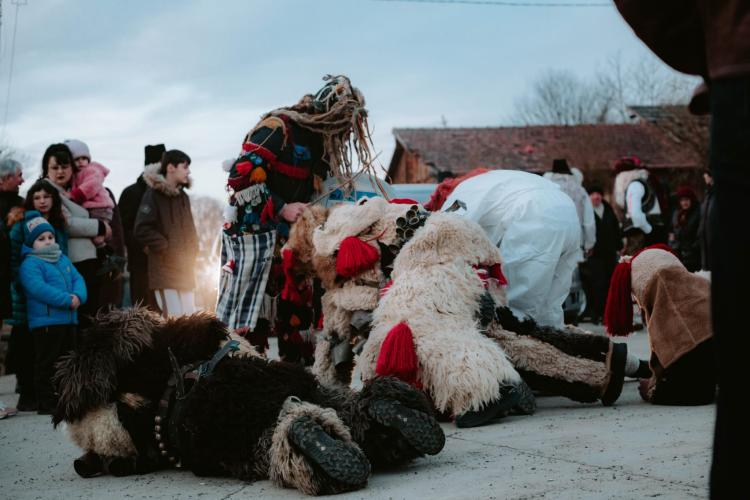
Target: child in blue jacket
(54,291)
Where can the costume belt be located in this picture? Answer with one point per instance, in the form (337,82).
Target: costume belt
(170,436)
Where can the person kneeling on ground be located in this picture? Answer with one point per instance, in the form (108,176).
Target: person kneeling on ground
(676,307)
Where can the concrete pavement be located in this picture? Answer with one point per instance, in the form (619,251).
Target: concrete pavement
(566,450)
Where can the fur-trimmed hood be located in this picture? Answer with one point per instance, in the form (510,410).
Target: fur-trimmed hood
(623,180)
(155,180)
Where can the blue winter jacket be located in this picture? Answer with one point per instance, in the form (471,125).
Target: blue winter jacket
(48,288)
(16,246)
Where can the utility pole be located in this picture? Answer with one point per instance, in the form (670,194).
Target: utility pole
(18,4)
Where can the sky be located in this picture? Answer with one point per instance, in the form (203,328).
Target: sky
(196,75)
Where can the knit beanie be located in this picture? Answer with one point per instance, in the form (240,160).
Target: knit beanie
(78,148)
(33,226)
(154,153)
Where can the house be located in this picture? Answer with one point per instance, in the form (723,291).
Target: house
(662,137)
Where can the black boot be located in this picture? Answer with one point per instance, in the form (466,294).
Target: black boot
(420,429)
(617,360)
(508,398)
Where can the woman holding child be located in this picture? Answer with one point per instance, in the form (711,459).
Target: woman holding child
(85,233)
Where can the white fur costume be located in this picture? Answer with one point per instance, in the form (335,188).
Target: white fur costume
(435,291)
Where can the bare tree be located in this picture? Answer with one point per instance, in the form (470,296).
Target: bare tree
(560,97)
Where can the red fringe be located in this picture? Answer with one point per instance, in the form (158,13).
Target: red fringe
(618,313)
(397,357)
(290,291)
(496,271)
(355,256)
(267,213)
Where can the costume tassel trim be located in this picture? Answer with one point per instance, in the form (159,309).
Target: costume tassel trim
(397,357)
(618,313)
(355,256)
(289,292)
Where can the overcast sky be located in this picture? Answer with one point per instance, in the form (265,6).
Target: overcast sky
(196,75)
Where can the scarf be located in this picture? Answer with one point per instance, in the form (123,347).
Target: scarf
(49,253)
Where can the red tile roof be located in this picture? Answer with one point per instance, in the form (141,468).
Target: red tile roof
(589,147)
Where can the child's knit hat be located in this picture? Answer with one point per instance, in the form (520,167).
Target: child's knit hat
(78,148)
(33,226)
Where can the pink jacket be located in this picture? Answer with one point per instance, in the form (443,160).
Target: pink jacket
(88,187)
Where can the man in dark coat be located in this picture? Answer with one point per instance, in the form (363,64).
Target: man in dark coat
(712,39)
(165,229)
(602,259)
(130,200)
(704,229)
(11,177)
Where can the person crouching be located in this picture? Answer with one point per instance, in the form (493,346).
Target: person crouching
(54,291)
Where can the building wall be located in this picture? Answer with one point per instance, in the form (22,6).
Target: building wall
(412,170)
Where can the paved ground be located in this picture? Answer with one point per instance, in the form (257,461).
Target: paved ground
(567,450)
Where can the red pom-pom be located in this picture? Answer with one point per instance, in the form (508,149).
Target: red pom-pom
(618,313)
(397,357)
(244,167)
(355,256)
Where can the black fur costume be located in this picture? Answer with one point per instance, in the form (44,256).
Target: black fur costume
(247,419)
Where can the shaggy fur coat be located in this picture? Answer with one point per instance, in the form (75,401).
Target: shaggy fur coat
(234,422)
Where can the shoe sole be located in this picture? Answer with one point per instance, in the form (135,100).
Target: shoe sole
(338,459)
(420,429)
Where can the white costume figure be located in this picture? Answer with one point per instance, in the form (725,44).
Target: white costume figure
(537,229)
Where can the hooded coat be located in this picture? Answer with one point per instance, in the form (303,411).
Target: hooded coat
(164,226)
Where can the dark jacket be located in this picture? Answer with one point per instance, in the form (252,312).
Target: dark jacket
(608,239)
(704,228)
(112,258)
(686,243)
(700,37)
(288,158)
(130,200)
(164,227)
(8,200)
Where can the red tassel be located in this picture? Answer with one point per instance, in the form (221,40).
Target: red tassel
(496,272)
(355,256)
(618,313)
(397,357)
(267,213)
(290,292)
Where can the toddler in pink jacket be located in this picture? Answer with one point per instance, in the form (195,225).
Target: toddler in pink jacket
(88,183)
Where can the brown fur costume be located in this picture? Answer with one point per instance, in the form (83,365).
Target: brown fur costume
(237,420)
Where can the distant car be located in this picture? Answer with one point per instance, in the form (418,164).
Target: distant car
(417,192)
(364,187)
